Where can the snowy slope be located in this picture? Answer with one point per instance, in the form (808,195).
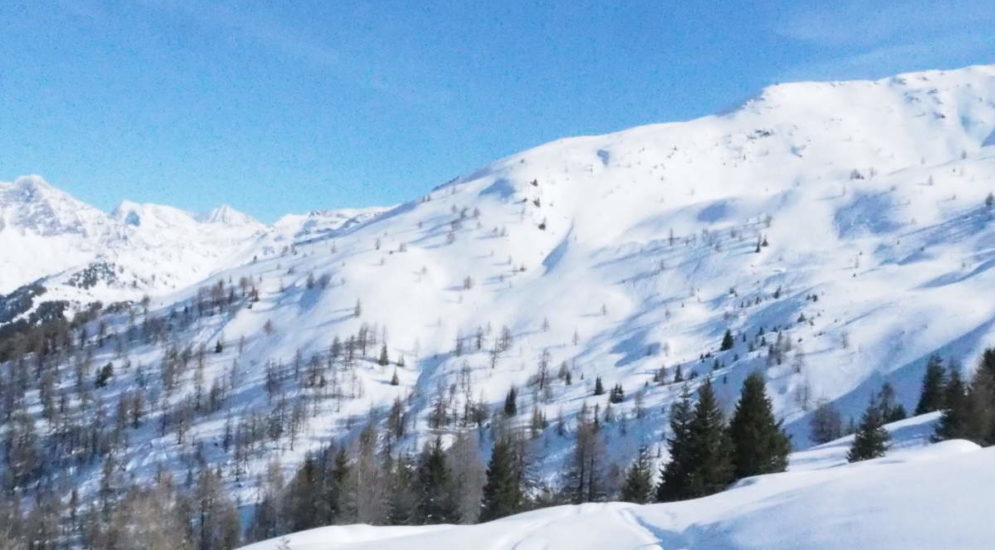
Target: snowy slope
(915,498)
(615,255)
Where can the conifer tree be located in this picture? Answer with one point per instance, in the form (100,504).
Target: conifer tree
(675,474)
(511,403)
(104,375)
(384,360)
(760,446)
(956,411)
(981,407)
(638,485)
(988,361)
(727,341)
(503,494)
(933,386)
(301,506)
(599,387)
(434,487)
(617,394)
(403,501)
(711,449)
(871,439)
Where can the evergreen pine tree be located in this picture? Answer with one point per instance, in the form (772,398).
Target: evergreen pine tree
(727,341)
(104,375)
(511,403)
(933,386)
(402,501)
(760,446)
(954,421)
(988,361)
(599,387)
(503,491)
(434,487)
(617,394)
(638,485)
(871,439)
(674,476)
(981,406)
(384,360)
(711,449)
(301,507)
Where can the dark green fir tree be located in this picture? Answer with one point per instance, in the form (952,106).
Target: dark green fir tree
(933,387)
(503,495)
(759,444)
(871,439)
(638,485)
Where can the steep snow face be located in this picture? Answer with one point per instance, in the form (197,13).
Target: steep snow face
(43,230)
(839,230)
(920,497)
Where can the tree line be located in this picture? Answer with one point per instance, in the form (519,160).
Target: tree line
(367,482)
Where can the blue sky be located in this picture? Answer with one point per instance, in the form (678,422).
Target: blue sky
(277,107)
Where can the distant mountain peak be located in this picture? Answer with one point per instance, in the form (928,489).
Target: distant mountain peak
(32,184)
(227,215)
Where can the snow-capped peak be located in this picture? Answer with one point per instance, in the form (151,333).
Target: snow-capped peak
(31,205)
(227,215)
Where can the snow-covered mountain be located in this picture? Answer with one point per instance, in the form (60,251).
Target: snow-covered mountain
(840,231)
(81,254)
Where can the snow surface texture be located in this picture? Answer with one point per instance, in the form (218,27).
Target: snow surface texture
(617,255)
(917,497)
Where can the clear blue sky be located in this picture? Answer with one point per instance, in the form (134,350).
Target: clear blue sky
(278,107)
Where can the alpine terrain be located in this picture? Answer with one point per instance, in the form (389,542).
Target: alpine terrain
(554,328)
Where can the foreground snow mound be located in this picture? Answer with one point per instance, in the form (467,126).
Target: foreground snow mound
(934,497)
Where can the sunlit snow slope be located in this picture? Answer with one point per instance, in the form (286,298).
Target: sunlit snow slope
(849,216)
